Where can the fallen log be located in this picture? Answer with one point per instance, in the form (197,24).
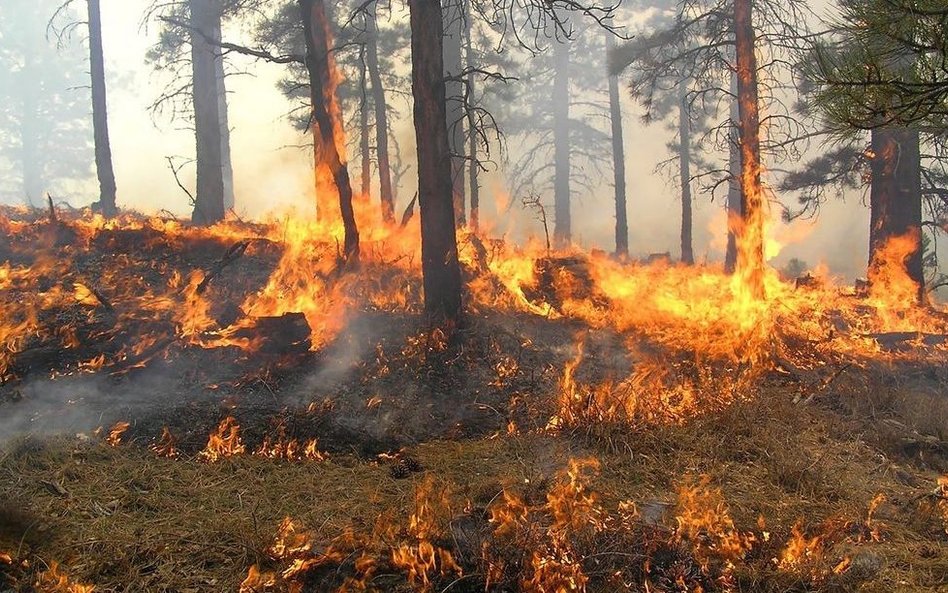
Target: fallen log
(902,341)
(559,279)
(230,256)
(281,335)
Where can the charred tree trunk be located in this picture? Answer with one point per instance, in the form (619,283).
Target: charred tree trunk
(381,116)
(895,201)
(471,136)
(327,117)
(562,231)
(364,126)
(618,158)
(227,166)
(209,203)
(684,162)
(439,250)
(454,90)
(732,207)
(750,248)
(100,117)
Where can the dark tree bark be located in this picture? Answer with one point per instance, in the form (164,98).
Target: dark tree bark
(100,117)
(454,89)
(562,231)
(326,117)
(750,252)
(684,162)
(472,137)
(618,158)
(227,166)
(439,250)
(364,126)
(895,200)
(381,116)
(209,203)
(732,207)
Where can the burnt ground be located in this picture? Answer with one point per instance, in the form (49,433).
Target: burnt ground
(798,450)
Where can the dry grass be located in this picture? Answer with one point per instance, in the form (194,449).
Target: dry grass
(131,522)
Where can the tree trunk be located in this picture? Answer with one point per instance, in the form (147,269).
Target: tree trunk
(895,202)
(381,116)
(332,173)
(364,126)
(439,250)
(562,232)
(472,137)
(684,161)
(227,166)
(750,247)
(618,158)
(209,204)
(454,89)
(100,118)
(732,207)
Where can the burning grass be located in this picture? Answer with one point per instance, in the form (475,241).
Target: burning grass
(601,425)
(765,496)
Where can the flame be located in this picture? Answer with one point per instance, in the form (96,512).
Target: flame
(289,449)
(800,550)
(55,581)
(116,432)
(166,446)
(696,338)
(704,520)
(223,442)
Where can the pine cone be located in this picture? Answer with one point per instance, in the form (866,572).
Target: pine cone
(411,463)
(399,470)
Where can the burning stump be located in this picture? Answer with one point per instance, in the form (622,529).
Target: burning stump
(278,336)
(561,279)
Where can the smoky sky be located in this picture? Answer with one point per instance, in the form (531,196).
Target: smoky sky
(273,173)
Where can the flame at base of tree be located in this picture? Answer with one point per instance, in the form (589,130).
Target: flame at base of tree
(703,329)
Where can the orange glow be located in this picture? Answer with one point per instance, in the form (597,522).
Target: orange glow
(800,550)
(116,432)
(56,581)
(166,446)
(223,442)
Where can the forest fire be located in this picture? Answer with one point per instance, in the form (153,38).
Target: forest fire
(340,400)
(681,310)
(690,340)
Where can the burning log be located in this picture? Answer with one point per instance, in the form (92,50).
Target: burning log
(904,341)
(559,279)
(663,258)
(282,335)
(230,256)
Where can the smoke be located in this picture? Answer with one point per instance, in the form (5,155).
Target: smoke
(273,165)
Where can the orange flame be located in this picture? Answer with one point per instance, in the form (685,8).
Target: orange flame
(223,442)
(116,432)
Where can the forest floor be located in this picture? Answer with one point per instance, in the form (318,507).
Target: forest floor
(438,468)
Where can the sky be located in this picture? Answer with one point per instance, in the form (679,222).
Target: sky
(272,175)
